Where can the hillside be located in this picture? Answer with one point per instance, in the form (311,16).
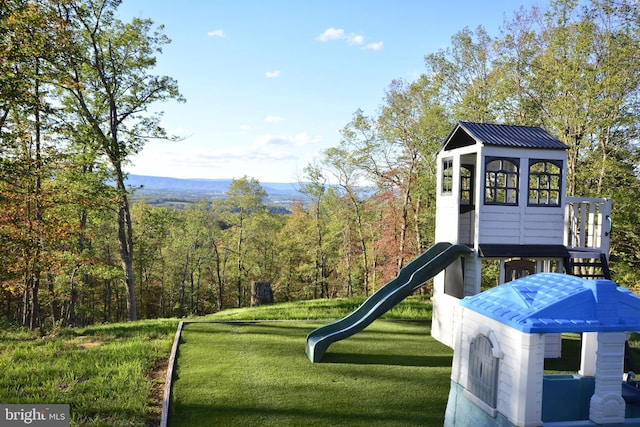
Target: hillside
(176,192)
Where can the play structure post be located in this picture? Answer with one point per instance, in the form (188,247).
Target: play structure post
(607,405)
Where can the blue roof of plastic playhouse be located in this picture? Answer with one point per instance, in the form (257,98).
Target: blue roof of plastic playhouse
(553,302)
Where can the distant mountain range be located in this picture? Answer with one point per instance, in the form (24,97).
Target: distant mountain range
(209,187)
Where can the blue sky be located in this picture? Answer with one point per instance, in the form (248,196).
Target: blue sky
(269,84)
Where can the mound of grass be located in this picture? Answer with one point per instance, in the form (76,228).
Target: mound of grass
(105,373)
(250,373)
(415,307)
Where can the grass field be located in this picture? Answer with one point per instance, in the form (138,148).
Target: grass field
(245,372)
(113,375)
(110,375)
(249,373)
(257,374)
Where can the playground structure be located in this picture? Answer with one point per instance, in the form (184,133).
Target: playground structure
(411,277)
(501,194)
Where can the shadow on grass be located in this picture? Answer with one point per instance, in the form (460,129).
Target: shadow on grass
(389,359)
(265,327)
(192,415)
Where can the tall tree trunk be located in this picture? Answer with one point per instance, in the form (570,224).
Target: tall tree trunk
(239,267)
(416,224)
(347,250)
(404,225)
(183,284)
(55,308)
(73,299)
(107,301)
(125,237)
(319,270)
(220,298)
(363,246)
(34,319)
(26,298)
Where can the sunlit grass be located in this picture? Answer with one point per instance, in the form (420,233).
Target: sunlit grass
(415,307)
(569,362)
(102,372)
(250,373)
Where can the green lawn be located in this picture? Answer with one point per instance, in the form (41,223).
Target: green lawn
(105,373)
(243,373)
(257,374)
(113,375)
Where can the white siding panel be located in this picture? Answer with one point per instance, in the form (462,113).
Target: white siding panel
(531,226)
(500,227)
(447,221)
(541,240)
(543,228)
(543,223)
(472,275)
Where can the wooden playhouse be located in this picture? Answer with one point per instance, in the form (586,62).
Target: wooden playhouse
(501,190)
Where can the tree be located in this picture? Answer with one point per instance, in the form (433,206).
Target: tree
(394,147)
(339,163)
(315,188)
(109,86)
(30,37)
(244,197)
(295,241)
(463,74)
(575,70)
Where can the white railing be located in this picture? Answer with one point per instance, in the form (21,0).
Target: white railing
(587,224)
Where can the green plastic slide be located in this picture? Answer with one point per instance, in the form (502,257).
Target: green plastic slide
(410,278)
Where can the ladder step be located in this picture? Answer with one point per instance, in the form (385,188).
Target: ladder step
(586,265)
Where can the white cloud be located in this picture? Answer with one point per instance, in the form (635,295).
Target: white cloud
(339,34)
(272,74)
(216,33)
(300,139)
(355,39)
(331,34)
(242,154)
(245,128)
(273,119)
(374,46)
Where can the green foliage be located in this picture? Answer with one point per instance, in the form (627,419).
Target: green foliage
(75,89)
(75,92)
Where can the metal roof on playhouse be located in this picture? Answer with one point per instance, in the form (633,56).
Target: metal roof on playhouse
(552,302)
(509,135)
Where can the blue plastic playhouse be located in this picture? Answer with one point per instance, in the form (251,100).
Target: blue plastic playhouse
(498,367)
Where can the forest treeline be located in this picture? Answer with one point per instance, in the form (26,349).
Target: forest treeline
(76,85)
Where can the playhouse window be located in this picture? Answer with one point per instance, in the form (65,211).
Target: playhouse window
(483,370)
(545,177)
(447,176)
(501,181)
(466,185)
